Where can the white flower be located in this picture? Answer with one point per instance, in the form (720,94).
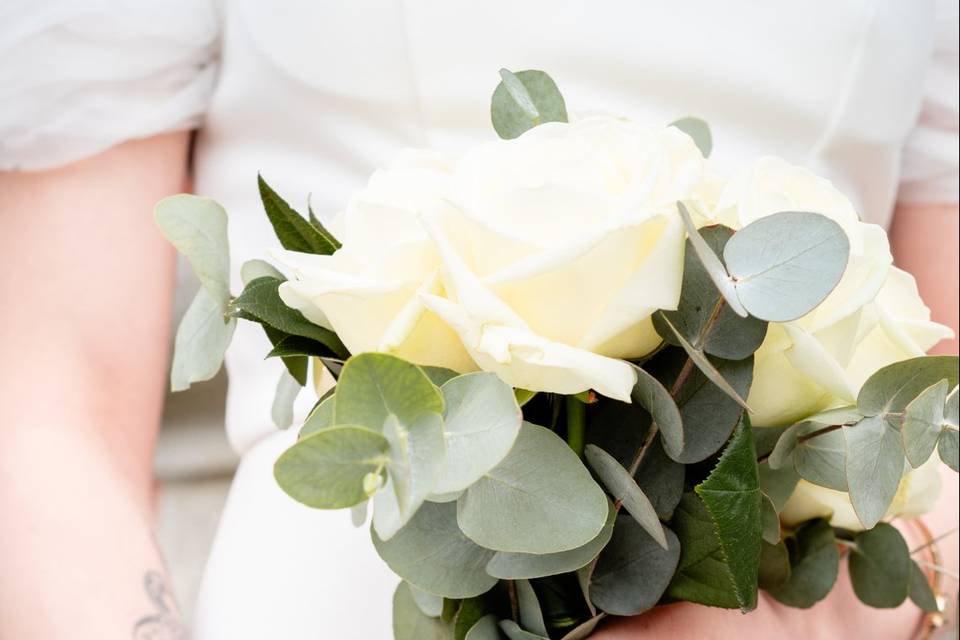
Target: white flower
(874,316)
(540,258)
(916,495)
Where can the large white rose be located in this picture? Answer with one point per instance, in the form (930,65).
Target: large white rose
(540,258)
(916,495)
(873,318)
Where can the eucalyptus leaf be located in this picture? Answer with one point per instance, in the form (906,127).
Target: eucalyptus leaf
(468,612)
(293,231)
(697,129)
(778,484)
(320,418)
(486,628)
(584,629)
(253,269)
(650,394)
(374,386)
(428,603)
(326,470)
(416,456)
(282,409)
(197,227)
(524,100)
(711,263)
(786,264)
(947,448)
(410,623)
(893,387)
(880,567)
(514,632)
(660,479)
(921,593)
(358,514)
(770,520)
(774,565)
(875,462)
(732,496)
(814,565)
(539,499)
(432,553)
(719,332)
(820,459)
(202,338)
(922,422)
(439,375)
(633,571)
(951,408)
(481,423)
(513,566)
(531,618)
(623,487)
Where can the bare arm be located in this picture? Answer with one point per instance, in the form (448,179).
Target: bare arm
(924,241)
(85,296)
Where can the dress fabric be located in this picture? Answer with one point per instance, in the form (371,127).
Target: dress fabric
(316,95)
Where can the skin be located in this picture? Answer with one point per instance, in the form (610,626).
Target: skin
(85,349)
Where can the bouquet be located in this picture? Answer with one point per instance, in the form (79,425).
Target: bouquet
(578,375)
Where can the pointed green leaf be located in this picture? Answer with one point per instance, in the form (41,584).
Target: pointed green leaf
(923,420)
(524,100)
(697,129)
(875,463)
(732,495)
(372,386)
(539,499)
(293,231)
(326,470)
(650,394)
(531,618)
(814,564)
(623,487)
(880,567)
(786,264)
(432,553)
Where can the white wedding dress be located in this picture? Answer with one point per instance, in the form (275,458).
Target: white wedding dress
(315,95)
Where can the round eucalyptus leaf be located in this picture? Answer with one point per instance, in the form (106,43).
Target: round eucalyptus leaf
(893,387)
(711,262)
(697,129)
(513,566)
(650,394)
(923,420)
(485,628)
(481,423)
(373,386)
(921,593)
(633,570)
(513,631)
(431,553)
(428,603)
(875,462)
(524,100)
(778,484)
(785,264)
(880,567)
(320,418)
(821,459)
(728,335)
(202,338)
(947,447)
(539,499)
(951,409)
(410,623)
(326,470)
(531,618)
(661,479)
(439,375)
(623,487)
(814,565)
(774,565)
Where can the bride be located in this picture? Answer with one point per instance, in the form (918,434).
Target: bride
(97,105)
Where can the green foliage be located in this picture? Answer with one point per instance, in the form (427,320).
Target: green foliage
(539,499)
(947,448)
(281,410)
(410,623)
(253,269)
(650,394)
(817,456)
(880,567)
(921,593)
(774,565)
(732,496)
(770,519)
(320,418)
(893,387)
(524,100)
(293,231)
(202,338)
(786,264)
(875,462)
(621,485)
(814,562)
(701,317)
(430,604)
(697,129)
(660,479)
(374,386)
(484,628)
(711,263)
(778,484)
(923,421)
(329,468)
(514,632)
(531,618)
(432,553)
(512,566)
(633,571)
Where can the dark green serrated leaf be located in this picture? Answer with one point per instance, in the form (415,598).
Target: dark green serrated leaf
(921,593)
(880,567)
(293,231)
(699,130)
(295,363)
(633,571)
(524,100)
(291,346)
(814,564)
(261,299)
(729,336)
(732,496)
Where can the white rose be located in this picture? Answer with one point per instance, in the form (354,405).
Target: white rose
(916,495)
(540,258)
(874,316)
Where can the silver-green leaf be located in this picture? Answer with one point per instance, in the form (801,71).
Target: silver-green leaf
(875,462)
(923,419)
(623,487)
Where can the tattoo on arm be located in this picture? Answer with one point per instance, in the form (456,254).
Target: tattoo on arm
(164,624)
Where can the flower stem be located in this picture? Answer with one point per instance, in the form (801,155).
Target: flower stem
(576,424)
